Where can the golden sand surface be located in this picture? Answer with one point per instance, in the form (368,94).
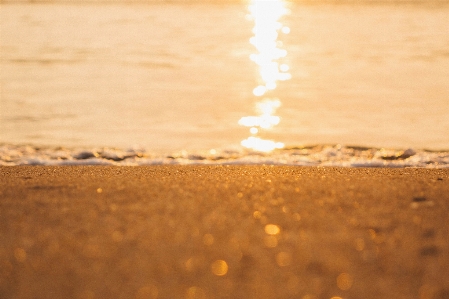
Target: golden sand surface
(223,232)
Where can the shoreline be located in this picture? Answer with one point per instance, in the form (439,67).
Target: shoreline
(326,155)
(223,232)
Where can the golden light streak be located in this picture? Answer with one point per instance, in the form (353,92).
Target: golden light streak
(265,119)
(261,145)
(266,15)
(267,28)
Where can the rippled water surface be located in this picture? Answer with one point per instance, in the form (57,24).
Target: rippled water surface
(172,77)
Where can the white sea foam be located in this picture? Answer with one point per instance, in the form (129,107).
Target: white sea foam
(317,155)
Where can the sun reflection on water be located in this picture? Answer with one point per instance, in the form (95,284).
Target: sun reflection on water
(266,16)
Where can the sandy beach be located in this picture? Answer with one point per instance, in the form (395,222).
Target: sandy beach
(223,232)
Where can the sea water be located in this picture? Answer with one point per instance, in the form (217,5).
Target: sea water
(303,83)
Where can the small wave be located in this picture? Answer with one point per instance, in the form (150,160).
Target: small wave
(316,155)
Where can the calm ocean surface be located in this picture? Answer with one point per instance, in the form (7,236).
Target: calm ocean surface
(171,76)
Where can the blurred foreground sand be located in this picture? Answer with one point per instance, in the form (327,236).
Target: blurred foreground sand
(223,232)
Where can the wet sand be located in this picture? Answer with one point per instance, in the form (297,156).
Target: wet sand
(223,232)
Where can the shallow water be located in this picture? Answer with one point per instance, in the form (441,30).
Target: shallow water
(173,77)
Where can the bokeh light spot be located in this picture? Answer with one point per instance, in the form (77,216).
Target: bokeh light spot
(283,259)
(344,281)
(272,229)
(219,267)
(359,244)
(195,293)
(257,215)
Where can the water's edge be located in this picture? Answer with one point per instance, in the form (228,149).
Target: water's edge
(313,155)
